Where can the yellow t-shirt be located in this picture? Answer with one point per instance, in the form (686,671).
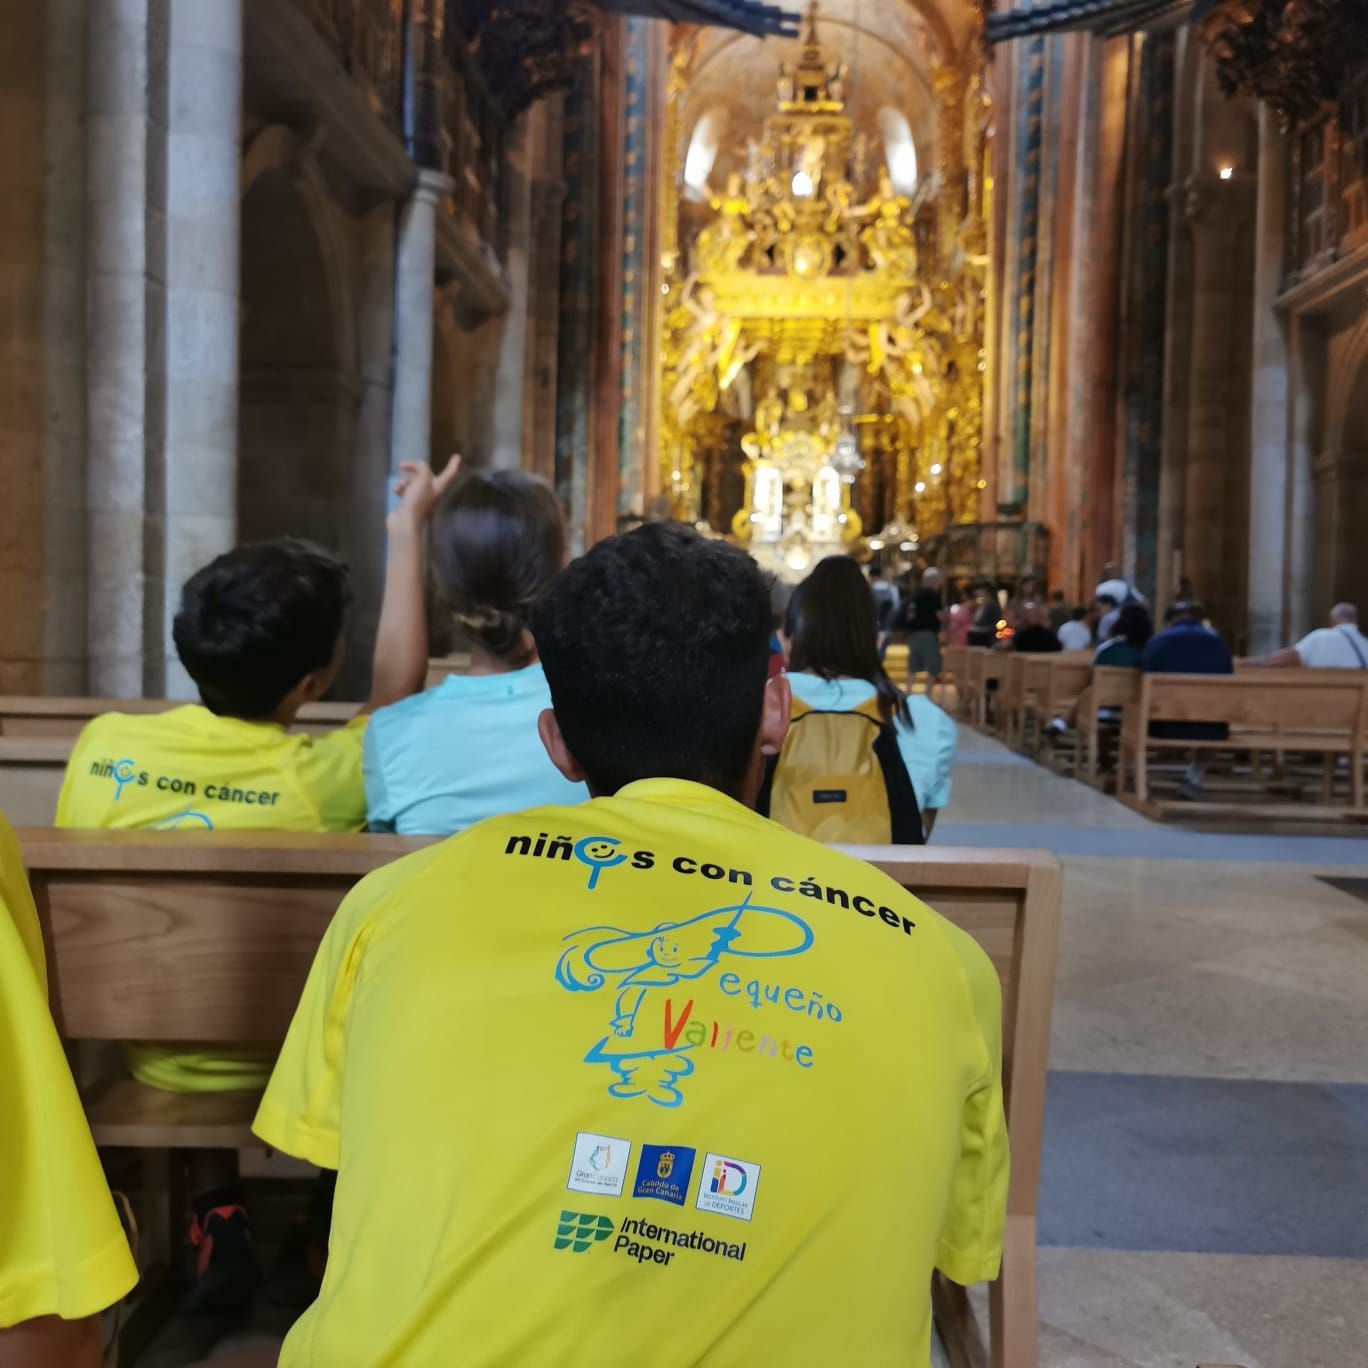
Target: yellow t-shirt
(62,1250)
(191,770)
(648,1080)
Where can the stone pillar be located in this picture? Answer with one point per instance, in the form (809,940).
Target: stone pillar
(1307,346)
(1215,210)
(510,377)
(414,264)
(948,82)
(198,424)
(123,252)
(1268,464)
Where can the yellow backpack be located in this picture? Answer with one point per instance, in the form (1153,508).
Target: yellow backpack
(840,778)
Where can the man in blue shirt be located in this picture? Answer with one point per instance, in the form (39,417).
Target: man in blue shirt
(1188,646)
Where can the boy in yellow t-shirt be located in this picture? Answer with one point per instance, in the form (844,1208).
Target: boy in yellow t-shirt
(63,1255)
(650,1079)
(261,631)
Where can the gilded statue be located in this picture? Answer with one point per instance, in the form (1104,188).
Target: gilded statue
(888,240)
(724,242)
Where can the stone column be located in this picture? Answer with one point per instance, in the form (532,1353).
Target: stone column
(414,264)
(123,247)
(1215,210)
(1268,463)
(199,420)
(1307,347)
(510,377)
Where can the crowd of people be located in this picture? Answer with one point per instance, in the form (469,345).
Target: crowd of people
(1115,626)
(601,774)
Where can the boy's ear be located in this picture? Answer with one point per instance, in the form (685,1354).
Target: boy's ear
(549,731)
(774,717)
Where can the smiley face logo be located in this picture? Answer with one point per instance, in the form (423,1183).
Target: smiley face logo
(599,853)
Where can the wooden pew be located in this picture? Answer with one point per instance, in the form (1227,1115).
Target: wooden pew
(1011,697)
(955,661)
(1050,689)
(895,664)
(1009,902)
(1277,712)
(32,717)
(175,936)
(983,666)
(37,734)
(1110,687)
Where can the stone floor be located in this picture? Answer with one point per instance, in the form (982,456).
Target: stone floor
(1204,1193)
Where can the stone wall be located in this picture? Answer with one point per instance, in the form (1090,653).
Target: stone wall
(42,348)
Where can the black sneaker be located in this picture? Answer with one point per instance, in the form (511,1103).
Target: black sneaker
(226,1272)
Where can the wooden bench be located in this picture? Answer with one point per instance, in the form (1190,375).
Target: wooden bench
(1109,688)
(1009,902)
(954,667)
(65,717)
(37,734)
(1276,712)
(1051,686)
(895,663)
(983,666)
(1011,696)
(176,936)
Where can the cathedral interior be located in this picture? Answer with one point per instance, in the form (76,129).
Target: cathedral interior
(1039,294)
(1023,292)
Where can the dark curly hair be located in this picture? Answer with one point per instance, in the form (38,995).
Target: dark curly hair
(256,620)
(498,544)
(656,648)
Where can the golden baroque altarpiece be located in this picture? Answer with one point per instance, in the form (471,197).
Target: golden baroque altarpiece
(829,323)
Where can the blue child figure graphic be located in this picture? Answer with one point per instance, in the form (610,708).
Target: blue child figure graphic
(668,954)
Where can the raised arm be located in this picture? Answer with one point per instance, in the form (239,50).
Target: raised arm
(401,641)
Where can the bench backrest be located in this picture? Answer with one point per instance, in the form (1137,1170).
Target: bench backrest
(27,717)
(1274,701)
(176,936)
(1066,676)
(1114,687)
(955,661)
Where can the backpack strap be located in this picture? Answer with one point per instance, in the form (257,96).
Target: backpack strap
(904,815)
(1354,646)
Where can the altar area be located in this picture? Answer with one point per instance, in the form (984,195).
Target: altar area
(822,356)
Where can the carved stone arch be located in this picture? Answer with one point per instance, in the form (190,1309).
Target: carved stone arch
(447,431)
(1346,424)
(1341,480)
(298,395)
(278,148)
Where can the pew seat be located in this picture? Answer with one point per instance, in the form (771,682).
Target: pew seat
(1322,713)
(209,936)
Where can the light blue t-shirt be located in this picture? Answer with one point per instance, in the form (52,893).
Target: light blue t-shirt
(450,757)
(927,746)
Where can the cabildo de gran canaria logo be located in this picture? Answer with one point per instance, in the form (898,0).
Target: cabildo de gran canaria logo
(580,1230)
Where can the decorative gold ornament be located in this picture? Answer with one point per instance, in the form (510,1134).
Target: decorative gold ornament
(808,310)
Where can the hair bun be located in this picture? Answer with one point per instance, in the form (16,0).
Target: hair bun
(496,629)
